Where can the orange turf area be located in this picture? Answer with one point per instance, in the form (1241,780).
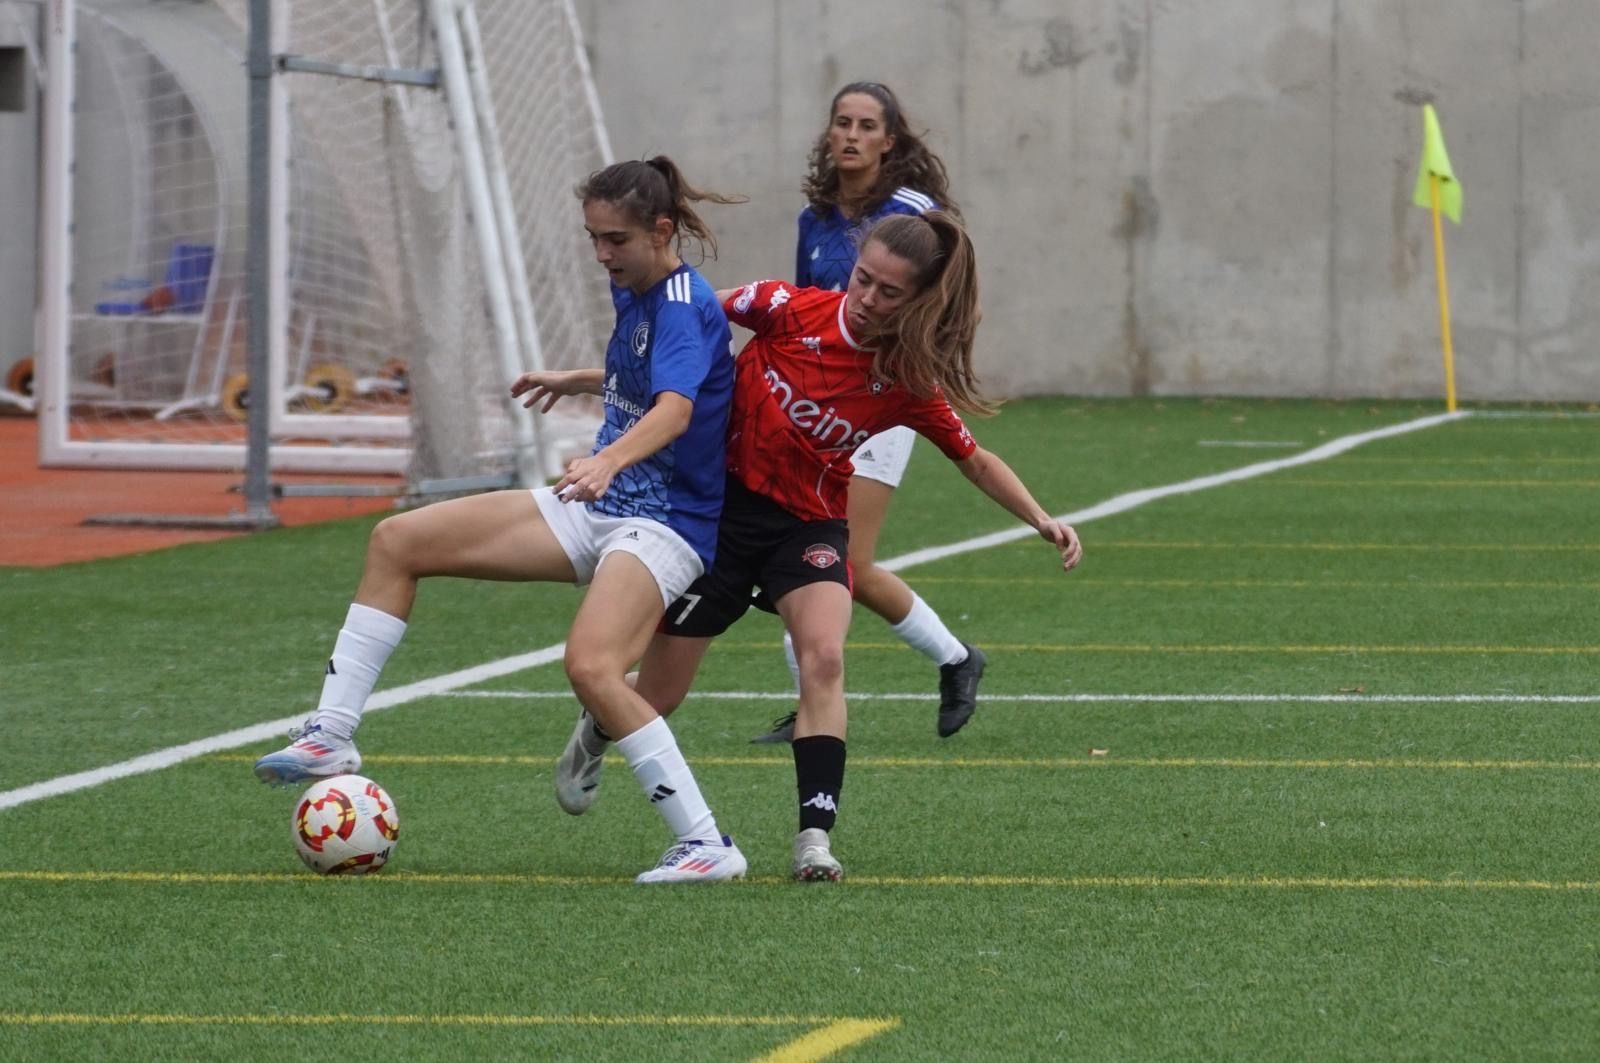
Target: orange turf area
(42,510)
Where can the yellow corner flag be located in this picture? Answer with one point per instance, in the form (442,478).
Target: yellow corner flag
(1439,191)
(1436,164)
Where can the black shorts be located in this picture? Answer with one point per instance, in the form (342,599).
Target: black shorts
(760,545)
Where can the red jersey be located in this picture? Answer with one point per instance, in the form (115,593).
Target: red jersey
(804,400)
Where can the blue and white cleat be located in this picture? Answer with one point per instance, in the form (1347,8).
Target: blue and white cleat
(698,861)
(313,754)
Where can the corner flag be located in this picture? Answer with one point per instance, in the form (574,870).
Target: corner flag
(1439,191)
(1436,164)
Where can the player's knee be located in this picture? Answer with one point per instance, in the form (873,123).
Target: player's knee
(387,545)
(588,672)
(868,579)
(821,664)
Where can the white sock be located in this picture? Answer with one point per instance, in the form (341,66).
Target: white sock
(794,663)
(359,654)
(923,630)
(664,775)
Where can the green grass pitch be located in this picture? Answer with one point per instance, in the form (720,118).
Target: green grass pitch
(1299,766)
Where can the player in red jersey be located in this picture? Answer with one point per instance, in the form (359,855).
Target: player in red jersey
(866,165)
(824,371)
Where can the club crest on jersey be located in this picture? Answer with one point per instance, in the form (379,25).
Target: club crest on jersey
(820,555)
(641,338)
(747,295)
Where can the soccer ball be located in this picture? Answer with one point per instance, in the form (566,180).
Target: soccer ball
(346,825)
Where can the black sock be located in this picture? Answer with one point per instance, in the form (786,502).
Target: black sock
(819,776)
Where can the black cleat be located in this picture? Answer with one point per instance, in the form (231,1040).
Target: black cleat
(782,730)
(958,691)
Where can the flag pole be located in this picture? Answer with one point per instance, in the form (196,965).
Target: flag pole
(1444,298)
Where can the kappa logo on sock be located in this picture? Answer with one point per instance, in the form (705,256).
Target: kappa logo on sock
(331,669)
(662,792)
(822,801)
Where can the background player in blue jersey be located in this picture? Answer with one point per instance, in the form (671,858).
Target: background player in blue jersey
(869,165)
(636,519)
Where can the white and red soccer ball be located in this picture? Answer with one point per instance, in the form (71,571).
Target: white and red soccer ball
(346,825)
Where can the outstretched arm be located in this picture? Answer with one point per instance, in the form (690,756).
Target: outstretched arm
(994,478)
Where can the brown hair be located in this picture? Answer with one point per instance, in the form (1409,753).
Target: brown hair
(926,345)
(654,188)
(908,164)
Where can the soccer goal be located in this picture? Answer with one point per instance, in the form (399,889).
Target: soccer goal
(424,245)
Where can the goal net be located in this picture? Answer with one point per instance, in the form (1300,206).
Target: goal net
(413,270)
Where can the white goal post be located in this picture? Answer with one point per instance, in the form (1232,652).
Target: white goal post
(423,245)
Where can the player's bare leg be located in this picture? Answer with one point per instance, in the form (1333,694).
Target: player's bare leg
(498,536)
(909,617)
(818,617)
(615,624)
(665,674)
(913,620)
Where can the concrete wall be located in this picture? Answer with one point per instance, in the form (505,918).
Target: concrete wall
(1178,196)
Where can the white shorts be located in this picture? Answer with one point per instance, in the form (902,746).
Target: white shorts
(587,537)
(883,457)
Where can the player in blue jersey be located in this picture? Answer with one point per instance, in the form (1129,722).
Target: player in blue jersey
(636,519)
(866,166)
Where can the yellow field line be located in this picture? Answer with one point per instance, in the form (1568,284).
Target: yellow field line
(1357,459)
(1126,882)
(1315,482)
(1142,647)
(1286,584)
(181,1019)
(1497,548)
(1045,763)
(833,1035)
(831,1039)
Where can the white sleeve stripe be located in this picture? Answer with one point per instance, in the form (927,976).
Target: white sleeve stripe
(678,289)
(912,198)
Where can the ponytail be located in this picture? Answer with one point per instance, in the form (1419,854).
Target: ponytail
(926,347)
(655,188)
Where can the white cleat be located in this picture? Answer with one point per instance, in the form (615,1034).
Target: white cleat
(314,754)
(698,861)
(813,860)
(578,770)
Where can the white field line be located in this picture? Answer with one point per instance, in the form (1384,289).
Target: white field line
(166,758)
(1267,444)
(1102,699)
(1134,499)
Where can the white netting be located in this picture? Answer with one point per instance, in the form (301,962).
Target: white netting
(388,318)
(159,203)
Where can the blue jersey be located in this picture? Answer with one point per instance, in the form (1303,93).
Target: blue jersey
(827,250)
(675,338)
